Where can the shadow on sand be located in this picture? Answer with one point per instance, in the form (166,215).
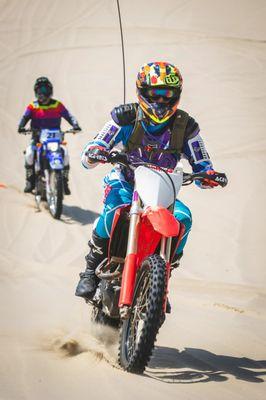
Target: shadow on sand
(76,214)
(195,365)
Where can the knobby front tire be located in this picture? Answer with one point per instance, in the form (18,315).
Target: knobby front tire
(56,198)
(138,333)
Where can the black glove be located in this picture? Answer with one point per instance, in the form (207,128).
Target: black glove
(118,157)
(21,130)
(77,128)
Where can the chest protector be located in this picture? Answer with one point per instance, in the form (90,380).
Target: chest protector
(177,129)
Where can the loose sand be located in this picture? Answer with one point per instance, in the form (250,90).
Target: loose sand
(212,346)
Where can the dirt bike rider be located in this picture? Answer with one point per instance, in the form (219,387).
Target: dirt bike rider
(45,113)
(155,130)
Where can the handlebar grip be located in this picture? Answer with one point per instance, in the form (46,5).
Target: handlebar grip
(219,177)
(99,155)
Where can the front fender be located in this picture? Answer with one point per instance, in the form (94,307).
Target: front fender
(162,221)
(55,160)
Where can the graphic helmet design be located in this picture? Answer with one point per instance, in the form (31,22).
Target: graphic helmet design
(159,86)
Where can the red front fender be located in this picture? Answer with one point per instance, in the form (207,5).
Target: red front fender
(162,221)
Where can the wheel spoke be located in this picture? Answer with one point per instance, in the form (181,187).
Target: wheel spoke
(138,315)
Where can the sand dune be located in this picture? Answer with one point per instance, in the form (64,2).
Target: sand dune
(216,332)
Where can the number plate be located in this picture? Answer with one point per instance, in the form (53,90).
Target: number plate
(47,134)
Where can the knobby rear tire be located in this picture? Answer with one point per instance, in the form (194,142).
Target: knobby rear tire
(153,271)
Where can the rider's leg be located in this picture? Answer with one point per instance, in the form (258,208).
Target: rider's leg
(29,169)
(98,253)
(183,215)
(117,193)
(66,170)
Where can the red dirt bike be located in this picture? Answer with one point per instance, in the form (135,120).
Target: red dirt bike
(133,287)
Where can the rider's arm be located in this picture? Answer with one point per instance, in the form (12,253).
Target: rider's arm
(115,133)
(112,135)
(25,118)
(194,149)
(195,152)
(69,117)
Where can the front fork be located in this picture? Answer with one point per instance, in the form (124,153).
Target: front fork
(130,266)
(165,253)
(47,182)
(37,170)
(38,173)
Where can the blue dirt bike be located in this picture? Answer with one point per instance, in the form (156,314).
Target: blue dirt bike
(48,168)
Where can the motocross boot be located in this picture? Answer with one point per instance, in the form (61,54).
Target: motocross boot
(30,184)
(65,180)
(88,280)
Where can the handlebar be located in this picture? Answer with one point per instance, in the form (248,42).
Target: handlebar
(74,131)
(37,131)
(124,160)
